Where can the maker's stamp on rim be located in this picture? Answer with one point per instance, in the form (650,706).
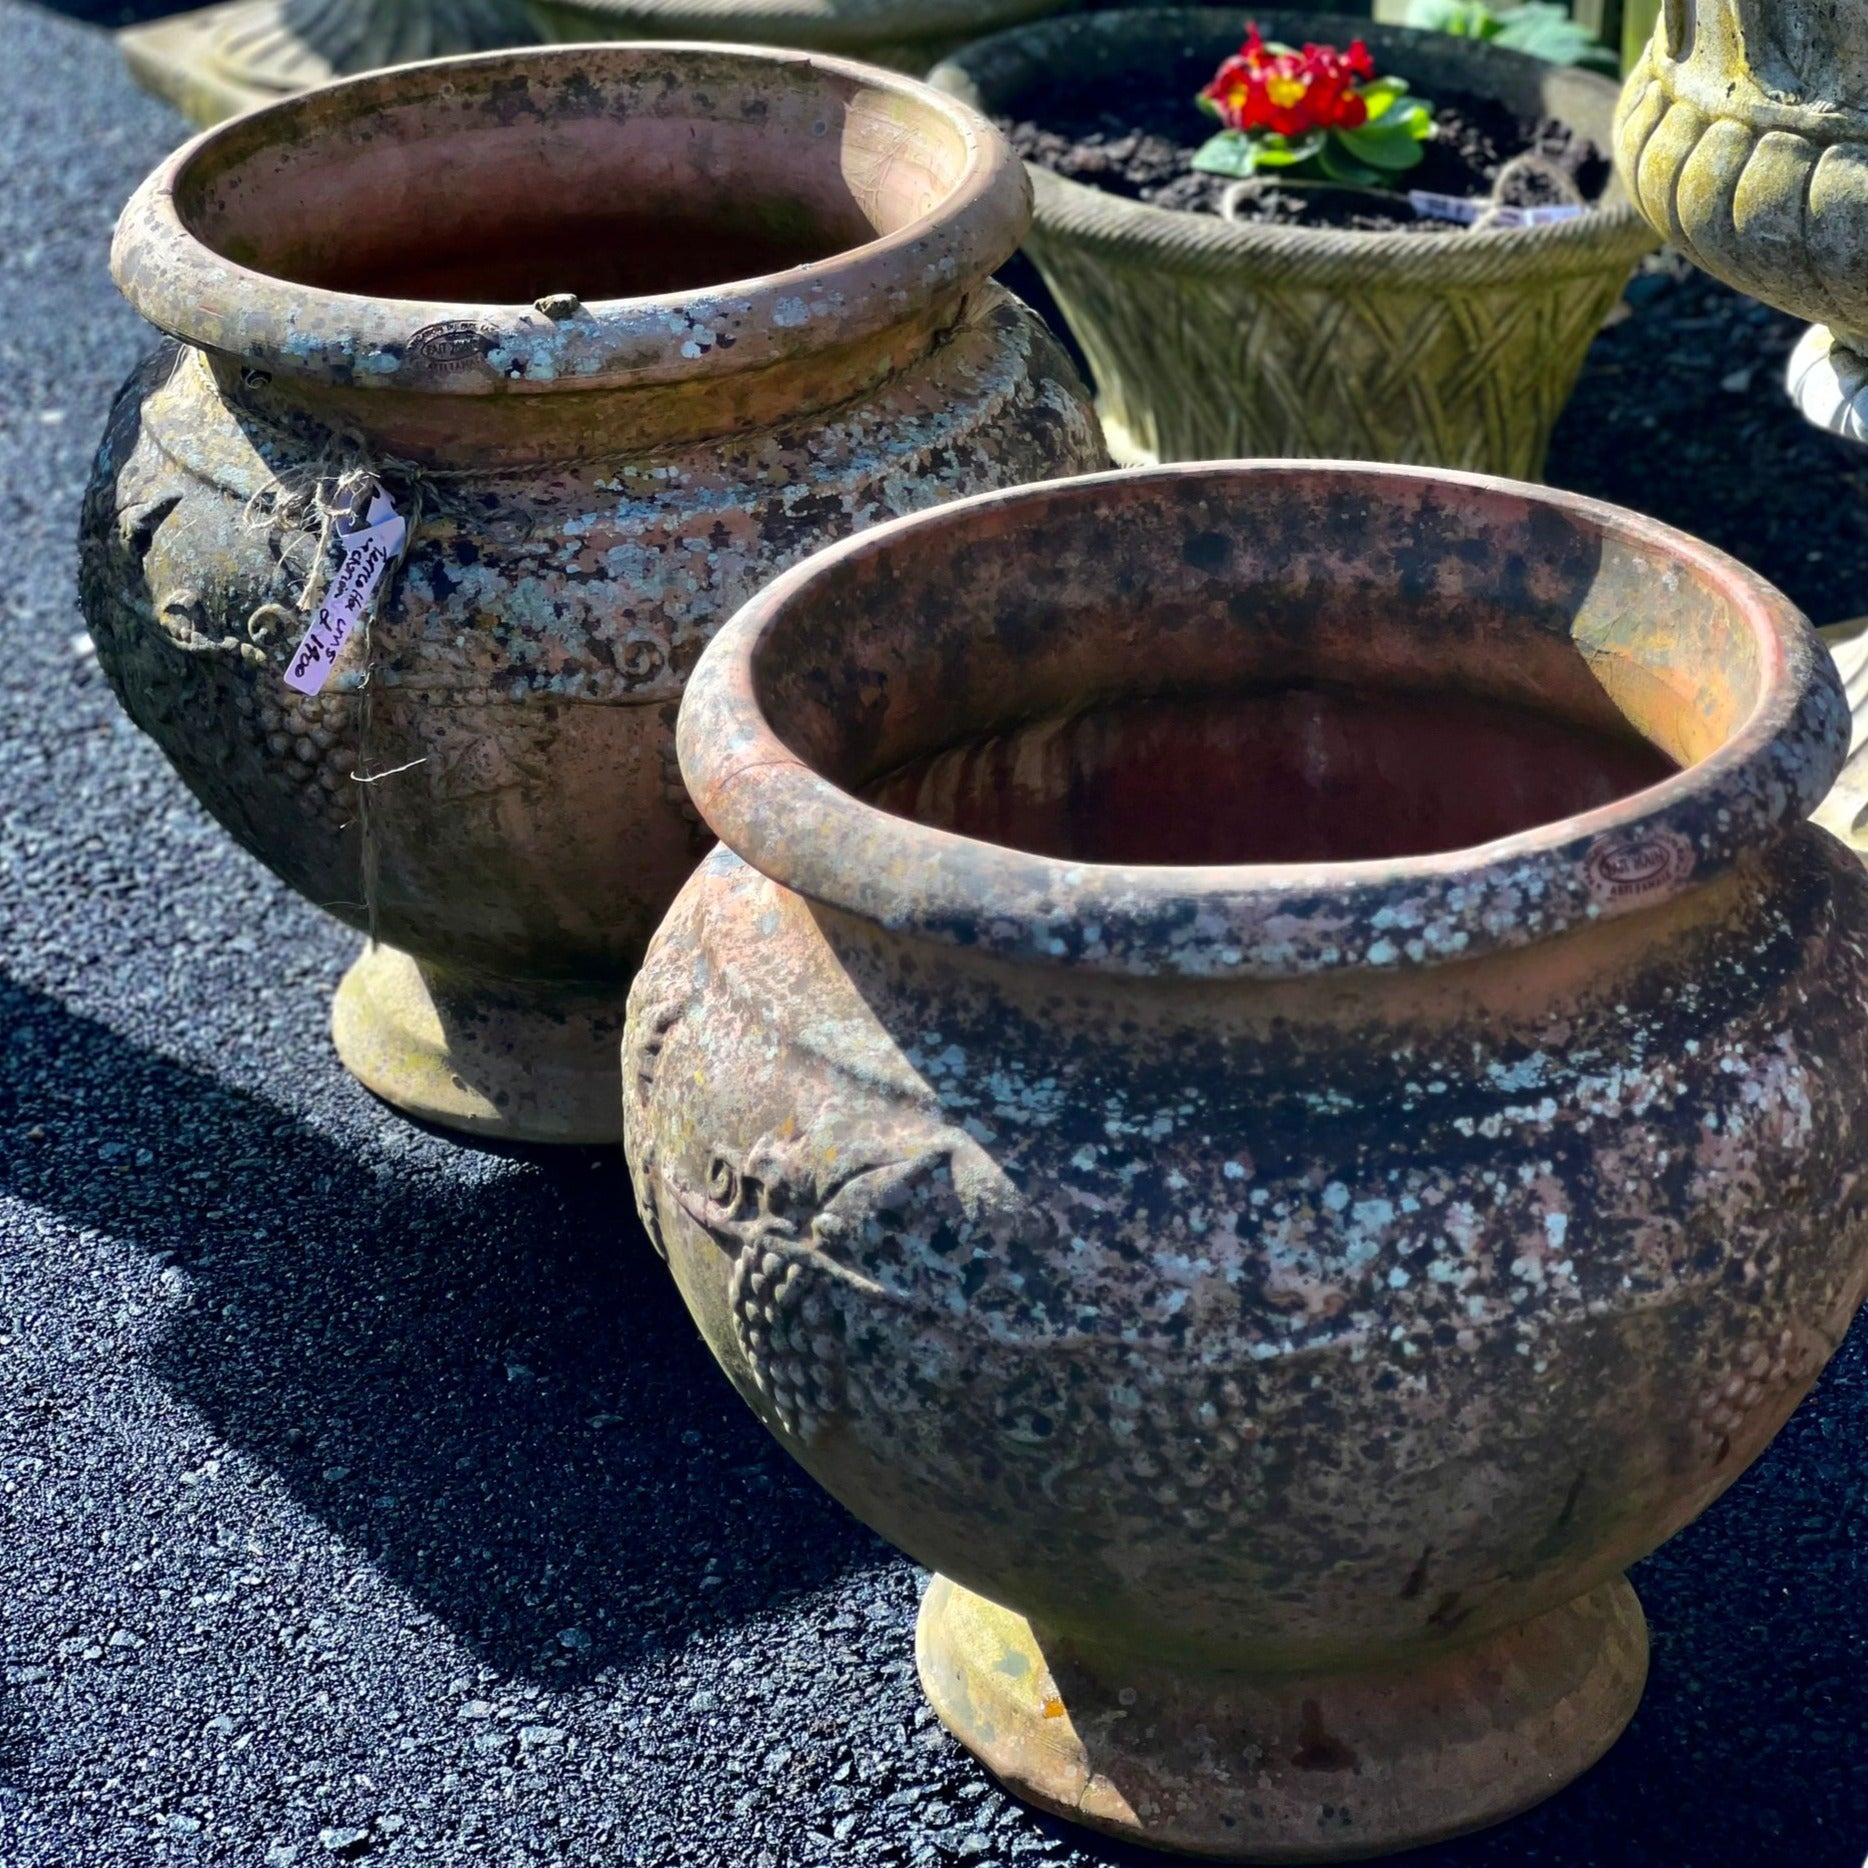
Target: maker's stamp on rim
(1629,866)
(454,344)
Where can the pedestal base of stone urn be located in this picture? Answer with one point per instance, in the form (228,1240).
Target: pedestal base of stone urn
(1286,1768)
(531,1063)
(173,59)
(215,61)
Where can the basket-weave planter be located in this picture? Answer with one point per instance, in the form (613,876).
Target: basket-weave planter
(905,35)
(1215,340)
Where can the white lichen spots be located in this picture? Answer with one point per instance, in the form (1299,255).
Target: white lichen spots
(1383,953)
(789,313)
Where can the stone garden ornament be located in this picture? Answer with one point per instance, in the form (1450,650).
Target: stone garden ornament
(493,387)
(1266,1080)
(214,61)
(1743,137)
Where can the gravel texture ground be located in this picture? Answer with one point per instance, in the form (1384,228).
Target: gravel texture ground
(369,1497)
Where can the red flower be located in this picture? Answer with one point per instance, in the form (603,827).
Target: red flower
(1292,93)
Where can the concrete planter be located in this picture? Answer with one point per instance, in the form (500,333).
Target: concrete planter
(788,333)
(1267,1081)
(1214,340)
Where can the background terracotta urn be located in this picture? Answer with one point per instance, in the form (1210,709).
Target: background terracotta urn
(1267,1080)
(1212,339)
(909,35)
(763,320)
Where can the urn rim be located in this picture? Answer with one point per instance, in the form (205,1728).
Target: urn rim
(774,809)
(915,272)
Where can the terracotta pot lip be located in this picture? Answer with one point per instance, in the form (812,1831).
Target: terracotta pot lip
(771,808)
(1305,255)
(181,284)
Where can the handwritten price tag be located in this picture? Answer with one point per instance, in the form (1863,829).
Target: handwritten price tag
(368,550)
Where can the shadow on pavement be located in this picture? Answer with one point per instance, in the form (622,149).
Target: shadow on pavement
(490,1391)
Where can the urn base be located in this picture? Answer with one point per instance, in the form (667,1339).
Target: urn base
(538,1062)
(1285,1768)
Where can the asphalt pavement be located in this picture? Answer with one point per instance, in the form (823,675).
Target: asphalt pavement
(369,1497)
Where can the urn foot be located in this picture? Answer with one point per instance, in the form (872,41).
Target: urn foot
(532,1063)
(1285,1768)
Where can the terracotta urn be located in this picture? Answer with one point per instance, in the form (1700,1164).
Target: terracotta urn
(1743,137)
(908,35)
(1211,339)
(1266,1079)
(622,331)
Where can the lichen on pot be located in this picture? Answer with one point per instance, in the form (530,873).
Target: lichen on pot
(623,331)
(1266,1080)
(1215,338)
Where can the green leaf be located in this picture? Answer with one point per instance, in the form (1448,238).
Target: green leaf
(1542,28)
(1465,19)
(1382,95)
(1394,140)
(1228,153)
(1341,167)
(1240,153)
(1383,149)
(1286,152)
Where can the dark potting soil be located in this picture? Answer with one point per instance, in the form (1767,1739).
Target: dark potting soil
(1136,136)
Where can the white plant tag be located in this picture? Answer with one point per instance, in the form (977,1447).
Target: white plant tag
(368,550)
(1466,210)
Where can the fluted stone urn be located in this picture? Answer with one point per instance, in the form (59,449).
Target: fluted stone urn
(1742,136)
(622,332)
(1266,1079)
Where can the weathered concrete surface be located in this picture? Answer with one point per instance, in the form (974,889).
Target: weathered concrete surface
(295,1284)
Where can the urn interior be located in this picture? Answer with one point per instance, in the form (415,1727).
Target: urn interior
(574,219)
(1327,669)
(623,200)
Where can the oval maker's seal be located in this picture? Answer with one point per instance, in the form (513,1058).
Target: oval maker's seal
(453,344)
(1631,865)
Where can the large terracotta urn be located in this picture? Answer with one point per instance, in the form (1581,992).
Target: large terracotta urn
(1266,1079)
(621,331)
